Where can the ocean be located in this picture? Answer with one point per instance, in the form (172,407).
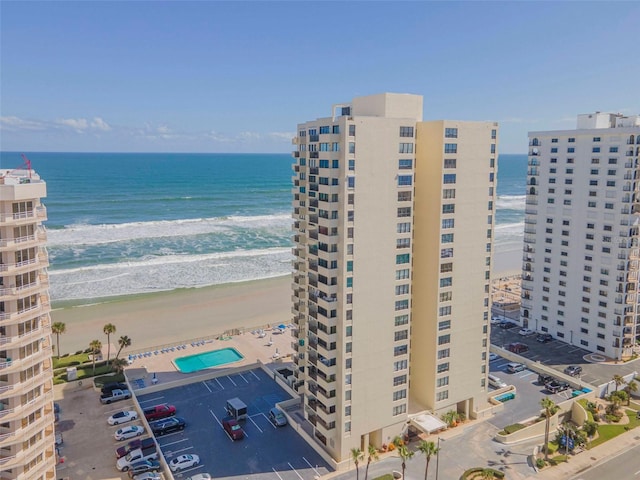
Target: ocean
(123,224)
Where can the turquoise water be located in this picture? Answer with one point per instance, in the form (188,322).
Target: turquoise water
(202,361)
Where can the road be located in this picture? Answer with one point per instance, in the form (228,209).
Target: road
(626,465)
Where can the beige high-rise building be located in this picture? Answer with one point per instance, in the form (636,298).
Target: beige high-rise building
(27,449)
(581,256)
(393,227)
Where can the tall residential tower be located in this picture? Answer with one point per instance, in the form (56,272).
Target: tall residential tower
(581,245)
(393,227)
(27,450)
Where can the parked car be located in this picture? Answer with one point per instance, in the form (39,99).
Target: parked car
(233,429)
(182,462)
(143,467)
(515,367)
(573,370)
(544,337)
(496,382)
(128,432)
(496,320)
(159,411)
(525,332)
(115,396)
(507,324)
(493,356)
(200,476)
(109,387)
(518,347)
(133,445)
(122,417)
(277,417)
(167,425)
(543,379)
(556,386)
(148,476)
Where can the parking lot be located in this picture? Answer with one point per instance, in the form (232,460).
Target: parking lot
(266,452)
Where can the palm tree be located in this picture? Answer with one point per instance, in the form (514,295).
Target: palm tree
(372,455)
(569,430)
(550,409)
(357,455)
(632,386)
(95,346)
(429,450)
(618,380)
(124,342)
(58,328)
(405,454)
(108,329)
(118,365)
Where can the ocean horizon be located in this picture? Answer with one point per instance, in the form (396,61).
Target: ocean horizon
(132,223)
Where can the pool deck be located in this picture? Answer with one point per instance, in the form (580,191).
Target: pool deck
(250,345)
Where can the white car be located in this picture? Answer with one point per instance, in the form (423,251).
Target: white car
(525,332)
(492,357)
(200,476)
(128,432)
(122,417)
(184,461)
(495,320)
(148,476)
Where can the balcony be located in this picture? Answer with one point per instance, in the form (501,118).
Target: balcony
(24,242)
(314,154)
(39,213)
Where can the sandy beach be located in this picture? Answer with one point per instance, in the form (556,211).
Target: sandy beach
(168,317)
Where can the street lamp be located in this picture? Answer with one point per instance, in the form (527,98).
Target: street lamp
(438,459)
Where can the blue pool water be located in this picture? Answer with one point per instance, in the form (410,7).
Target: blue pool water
(202,361)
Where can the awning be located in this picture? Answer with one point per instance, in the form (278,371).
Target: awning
(428,423)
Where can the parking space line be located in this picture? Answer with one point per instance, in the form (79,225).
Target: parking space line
(296,472)
(173,443)
(253,373)
(190,469)
(205,384)
(128,407)
(243,378)
(526,374)
(256,423)
(177,452)
(274,471)
(214,416)
(502,365)
(219,383)
(575,350)
(312,468)
(231,380)
(154,399)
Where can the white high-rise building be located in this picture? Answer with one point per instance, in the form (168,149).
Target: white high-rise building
(581,245)
(393,227)
(27,449)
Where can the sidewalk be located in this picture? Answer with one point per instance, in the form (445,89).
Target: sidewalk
(589,458)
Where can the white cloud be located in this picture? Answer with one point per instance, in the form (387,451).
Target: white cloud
(78,124)
(16,123)
(99,124)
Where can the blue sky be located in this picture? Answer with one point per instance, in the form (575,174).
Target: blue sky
(238,76)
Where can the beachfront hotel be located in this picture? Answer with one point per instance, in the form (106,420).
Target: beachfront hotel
(27,449)
(393,227)
(581,245)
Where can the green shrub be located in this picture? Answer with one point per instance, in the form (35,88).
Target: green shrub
(80,352)
(513,428)
(471,471)
(590,428)
(540,462)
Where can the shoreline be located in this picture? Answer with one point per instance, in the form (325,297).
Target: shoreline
(158,318)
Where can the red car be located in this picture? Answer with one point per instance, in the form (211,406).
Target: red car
(233,429)
(517,347)
(159,411)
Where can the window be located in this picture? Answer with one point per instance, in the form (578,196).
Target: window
(595,149)
(554,150)
(399,409)
(406,148)
(324,129)
(404,227)
(402,305)
(448,208)
(442,395)
(335,163)
(571,150)
(442,382)
(444,339)
(449,178)
(611,172)
(404,196)
(450,148)
(401,335)
(451,133)
(400,350)
(400,365)
(351,182)
(405,164)
(494,133)
(446,237)
(443,367)
(403,258)
(406,132)
(444,325)
(335,129)
(446,296)
(613,161)
(446,252)
(445,267)
(402,274)
(401,320)
(352,164)
(352,130)
(449,193)
(349,282)
(613,149)
(405,180)
(349,265)
(399,380)
(444,311)
(449,163)
(446,282)
(448,223)
(352,147)
(403,242)
(404,212)
(444,353)
(402,289)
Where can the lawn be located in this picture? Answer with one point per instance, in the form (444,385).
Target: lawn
(70,360)
(607,432)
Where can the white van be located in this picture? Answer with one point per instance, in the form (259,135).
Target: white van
(496,382)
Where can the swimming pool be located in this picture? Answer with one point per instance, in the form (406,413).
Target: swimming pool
(202,361)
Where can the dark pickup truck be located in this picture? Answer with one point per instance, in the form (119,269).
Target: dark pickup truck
(110,387)
(159,411)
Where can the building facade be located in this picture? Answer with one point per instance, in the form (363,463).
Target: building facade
(393,226)
(27,446)
(581,244)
